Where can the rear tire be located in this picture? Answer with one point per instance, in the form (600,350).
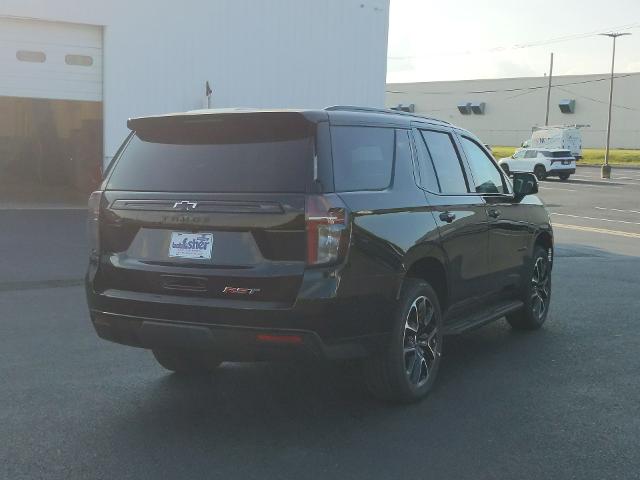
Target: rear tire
(564,176)
(406,370)
(540,172)
(536,294)
(186,362)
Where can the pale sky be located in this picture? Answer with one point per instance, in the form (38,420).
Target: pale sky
(467,39)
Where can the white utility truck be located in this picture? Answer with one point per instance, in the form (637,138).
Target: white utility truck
(557,137)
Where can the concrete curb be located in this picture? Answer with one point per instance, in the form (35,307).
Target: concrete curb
(613,166)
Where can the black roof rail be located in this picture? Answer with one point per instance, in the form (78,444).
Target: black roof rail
(353,108)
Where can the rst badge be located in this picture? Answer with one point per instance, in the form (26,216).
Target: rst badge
(191,245)
(240,291)
(185,205)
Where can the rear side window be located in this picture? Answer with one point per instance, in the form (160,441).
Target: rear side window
(362,157)
(216,157)
(428,177)
(443,154)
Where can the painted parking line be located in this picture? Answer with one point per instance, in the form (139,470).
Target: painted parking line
(630,181)
(590,177)
(617,210)
(597,186)
(593,218)
(576,185)
(555,188)
(597,230)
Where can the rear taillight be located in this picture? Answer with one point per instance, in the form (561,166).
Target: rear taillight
(93,226)
(327,229)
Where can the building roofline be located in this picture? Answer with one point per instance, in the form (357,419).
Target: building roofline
(515,79)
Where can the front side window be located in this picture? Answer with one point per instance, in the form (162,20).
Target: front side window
(442,152)
(485,174)
(531,154)
(362,157)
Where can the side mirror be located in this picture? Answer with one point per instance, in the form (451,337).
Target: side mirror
(524,184)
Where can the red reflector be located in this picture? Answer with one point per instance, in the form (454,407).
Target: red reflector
(290,339)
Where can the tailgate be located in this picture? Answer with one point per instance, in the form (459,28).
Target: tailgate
(252,246)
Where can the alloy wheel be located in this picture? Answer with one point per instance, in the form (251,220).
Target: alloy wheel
(421,341)
(540,173)
(540,288)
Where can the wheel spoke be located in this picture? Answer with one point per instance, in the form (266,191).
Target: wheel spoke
(424,366)
(412,319)
(543,269)
(538,307)
(432,344)
(429,316)
(416,367)
(421,307)
(544,292)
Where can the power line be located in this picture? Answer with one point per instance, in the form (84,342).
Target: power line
(506,90)
(597,100)
(576,36)
(537,43)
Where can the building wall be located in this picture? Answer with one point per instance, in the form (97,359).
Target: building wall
(158,54)
(515,105)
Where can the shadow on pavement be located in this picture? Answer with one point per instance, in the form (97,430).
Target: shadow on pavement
(544,400)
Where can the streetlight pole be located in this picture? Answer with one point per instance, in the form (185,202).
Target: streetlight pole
(606,168)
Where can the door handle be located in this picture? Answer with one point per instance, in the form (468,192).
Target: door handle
(447,217)
(494,212)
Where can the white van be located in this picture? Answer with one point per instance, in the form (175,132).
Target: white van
(557,137)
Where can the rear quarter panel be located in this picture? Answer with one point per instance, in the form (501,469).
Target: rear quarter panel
(390,229)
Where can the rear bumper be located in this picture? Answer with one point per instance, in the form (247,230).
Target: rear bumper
(330,324)
(561,170)
(230,343)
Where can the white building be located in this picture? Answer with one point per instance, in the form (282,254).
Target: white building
(73,71)
(512,106)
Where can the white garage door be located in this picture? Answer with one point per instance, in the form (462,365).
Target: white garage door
(50,60)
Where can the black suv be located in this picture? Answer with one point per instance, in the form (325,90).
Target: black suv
(341,233)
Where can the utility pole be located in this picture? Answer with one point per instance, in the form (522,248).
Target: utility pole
(606,168)
(546,120)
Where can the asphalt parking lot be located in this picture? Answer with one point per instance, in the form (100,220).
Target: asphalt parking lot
(559,403)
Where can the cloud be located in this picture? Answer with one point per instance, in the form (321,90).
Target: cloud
(508,68)
(632,67)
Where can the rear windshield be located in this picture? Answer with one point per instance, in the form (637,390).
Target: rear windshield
(557,154)
(267,154)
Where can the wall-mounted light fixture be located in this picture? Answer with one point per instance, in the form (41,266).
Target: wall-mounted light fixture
(405,108)
(567,106)
(478,108)
(465,108)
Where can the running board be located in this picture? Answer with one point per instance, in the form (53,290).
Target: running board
(481,318)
